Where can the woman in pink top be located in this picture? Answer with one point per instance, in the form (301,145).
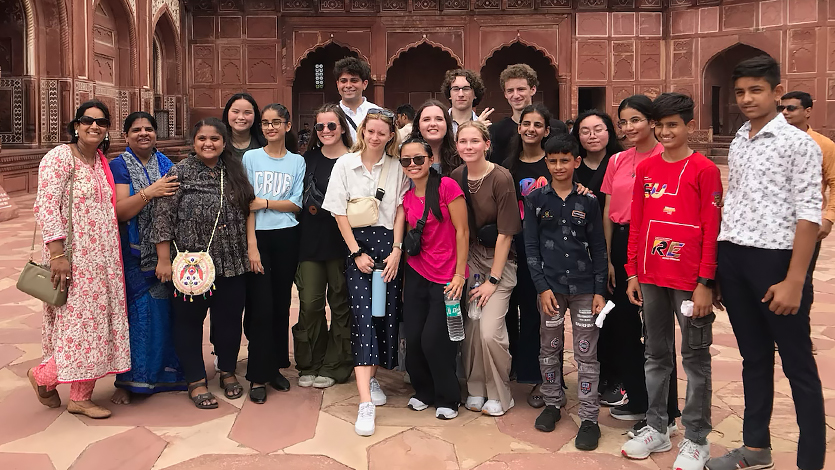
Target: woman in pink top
(439,269)
(623,328)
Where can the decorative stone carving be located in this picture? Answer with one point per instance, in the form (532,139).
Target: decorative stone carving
(11,111)
(592,4)
(424,5)
(49,111)
(174,9)
(519,4)
(203,64)
(8,209)
(554,3)
(297,5)
(394,5)
(230,5)
(682,58)
(363,5)
(487,4)
(456,4)
(331,5)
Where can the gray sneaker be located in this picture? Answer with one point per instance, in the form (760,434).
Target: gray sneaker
(742,458)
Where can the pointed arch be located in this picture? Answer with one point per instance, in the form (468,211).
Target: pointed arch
(166,35)
(424,40)
(524,42)
(326,43)
(125,21)
(719,109)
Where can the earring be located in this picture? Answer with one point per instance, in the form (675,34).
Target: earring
(76,133)
(107,137)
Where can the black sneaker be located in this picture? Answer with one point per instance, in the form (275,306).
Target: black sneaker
(623,413)
(547,420)
(614,397)
(588,436)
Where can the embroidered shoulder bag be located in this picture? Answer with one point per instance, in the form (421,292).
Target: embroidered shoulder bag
(194,273)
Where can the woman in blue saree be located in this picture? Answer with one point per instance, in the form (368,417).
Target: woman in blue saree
(139,173)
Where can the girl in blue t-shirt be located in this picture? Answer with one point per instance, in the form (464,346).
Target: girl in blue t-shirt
(277,176)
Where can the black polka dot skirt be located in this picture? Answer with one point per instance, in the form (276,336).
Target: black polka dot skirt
(373,339)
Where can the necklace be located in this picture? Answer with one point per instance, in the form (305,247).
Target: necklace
(474,186)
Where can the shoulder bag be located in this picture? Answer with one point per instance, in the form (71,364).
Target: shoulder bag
(412,240)
(194,273)
(365,211)
(486,235)
(36,279)
(312,198)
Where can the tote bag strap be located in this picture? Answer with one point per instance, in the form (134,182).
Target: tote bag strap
(384,173)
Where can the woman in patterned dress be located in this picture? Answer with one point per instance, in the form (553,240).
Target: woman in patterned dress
(86,338)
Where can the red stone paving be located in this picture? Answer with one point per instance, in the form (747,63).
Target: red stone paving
(23,415)
(8,353)
(412,450)
(260,462)
(160,410)
(137,449)
(14,461)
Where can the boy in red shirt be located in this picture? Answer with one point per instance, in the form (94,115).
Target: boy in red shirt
(671,258)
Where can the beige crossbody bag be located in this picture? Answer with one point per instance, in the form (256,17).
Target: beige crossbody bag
(365,211)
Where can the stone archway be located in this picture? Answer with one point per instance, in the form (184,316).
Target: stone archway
(416,75)
(720,111)
(13,38)
(518,53)
(314,83)
(113,41)
(166,77)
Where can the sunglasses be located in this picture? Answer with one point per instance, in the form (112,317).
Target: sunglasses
(382,112)
(790,108)
(407,161)
(320,127)
(88,121)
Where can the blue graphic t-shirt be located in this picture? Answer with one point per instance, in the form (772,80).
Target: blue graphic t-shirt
(276,179)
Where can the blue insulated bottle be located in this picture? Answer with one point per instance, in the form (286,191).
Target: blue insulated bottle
(378,291)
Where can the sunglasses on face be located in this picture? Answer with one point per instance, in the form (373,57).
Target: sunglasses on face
(790,108)
(274,123)
(407,161)
(382,112)
(320,126)
(89,120)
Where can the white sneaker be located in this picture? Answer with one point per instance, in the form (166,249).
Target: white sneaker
(494,408)
(417,405)
(691,456)
(445,413)
(306,380)
(641,427)
(365,419)
(378,397)
(647,441)
(323,382)
(217,369)
(475,403)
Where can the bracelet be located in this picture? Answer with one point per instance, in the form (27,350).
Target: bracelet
(144,197)
(268,204)
(62,255)
(631,277)
(460,275)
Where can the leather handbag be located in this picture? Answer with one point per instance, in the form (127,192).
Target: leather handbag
(365,211)
(486,235)
(312,198)
(193,273)
(36,279)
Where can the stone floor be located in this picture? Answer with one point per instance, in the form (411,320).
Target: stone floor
(311,429)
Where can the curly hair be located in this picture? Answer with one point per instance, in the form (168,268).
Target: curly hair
(519,71)
(473,77)
(352,66)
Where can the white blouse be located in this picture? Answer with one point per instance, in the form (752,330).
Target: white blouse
(350,179)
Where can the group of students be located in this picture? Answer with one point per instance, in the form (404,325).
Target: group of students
(648,229)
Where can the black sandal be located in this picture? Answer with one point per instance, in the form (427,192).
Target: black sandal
(231,390)
(200,399)
(257,393)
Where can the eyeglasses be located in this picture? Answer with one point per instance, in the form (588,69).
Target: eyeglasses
(418,159)
(89,120)
(790,108)
(320,126)
(585,131)
(465,89)
(382,112)
(274,123)
(634,121)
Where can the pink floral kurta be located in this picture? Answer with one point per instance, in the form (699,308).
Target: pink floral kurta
(88,336)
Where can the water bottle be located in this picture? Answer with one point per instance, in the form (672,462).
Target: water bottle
(473,309)
(454,320)
(378,291)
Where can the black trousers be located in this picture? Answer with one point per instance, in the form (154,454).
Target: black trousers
(522,322)
(430,354)
(744,275)
(620,338)
(225,306)
(268,304)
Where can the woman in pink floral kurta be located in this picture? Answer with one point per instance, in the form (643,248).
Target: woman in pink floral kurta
(87,338)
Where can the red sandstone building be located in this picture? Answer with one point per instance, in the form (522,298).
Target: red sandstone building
(181,60)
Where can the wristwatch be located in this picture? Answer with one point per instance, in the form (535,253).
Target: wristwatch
(357,253)
(494,280)
(397,245)
(709,283)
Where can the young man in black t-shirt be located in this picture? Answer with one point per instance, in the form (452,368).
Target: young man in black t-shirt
(518,82)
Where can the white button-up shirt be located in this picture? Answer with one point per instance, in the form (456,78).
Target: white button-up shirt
(350,179)
(455,123)
(774,180)
(358,116)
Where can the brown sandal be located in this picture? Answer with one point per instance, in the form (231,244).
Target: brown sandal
(202,397)
(48,398)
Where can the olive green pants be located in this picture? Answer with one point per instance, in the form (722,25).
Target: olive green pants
(319,350)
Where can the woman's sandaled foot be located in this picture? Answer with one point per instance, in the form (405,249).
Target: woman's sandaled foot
(48,398)
(230,385)
(258,393)
(88,409)
(121,397)
(203,398)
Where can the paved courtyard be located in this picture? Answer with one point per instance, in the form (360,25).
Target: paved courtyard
(311,429)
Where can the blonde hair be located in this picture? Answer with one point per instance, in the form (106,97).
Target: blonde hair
(480,127)
(523,71)
(392,148)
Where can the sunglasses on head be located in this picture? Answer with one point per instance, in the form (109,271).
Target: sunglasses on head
(89,120)
(790,108)
(320,126)
(381,112)
(418,159)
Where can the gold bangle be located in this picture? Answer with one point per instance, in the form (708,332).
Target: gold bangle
(460,275)
(144,197)
(53,258)
(631,277)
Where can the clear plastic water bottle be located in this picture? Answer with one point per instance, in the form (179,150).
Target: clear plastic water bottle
(473,309)
(454,320)
(378,291)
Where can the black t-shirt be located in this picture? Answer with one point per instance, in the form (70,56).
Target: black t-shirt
(239,153)
(320,237)
(593,179)
(502,134)
(526,178)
